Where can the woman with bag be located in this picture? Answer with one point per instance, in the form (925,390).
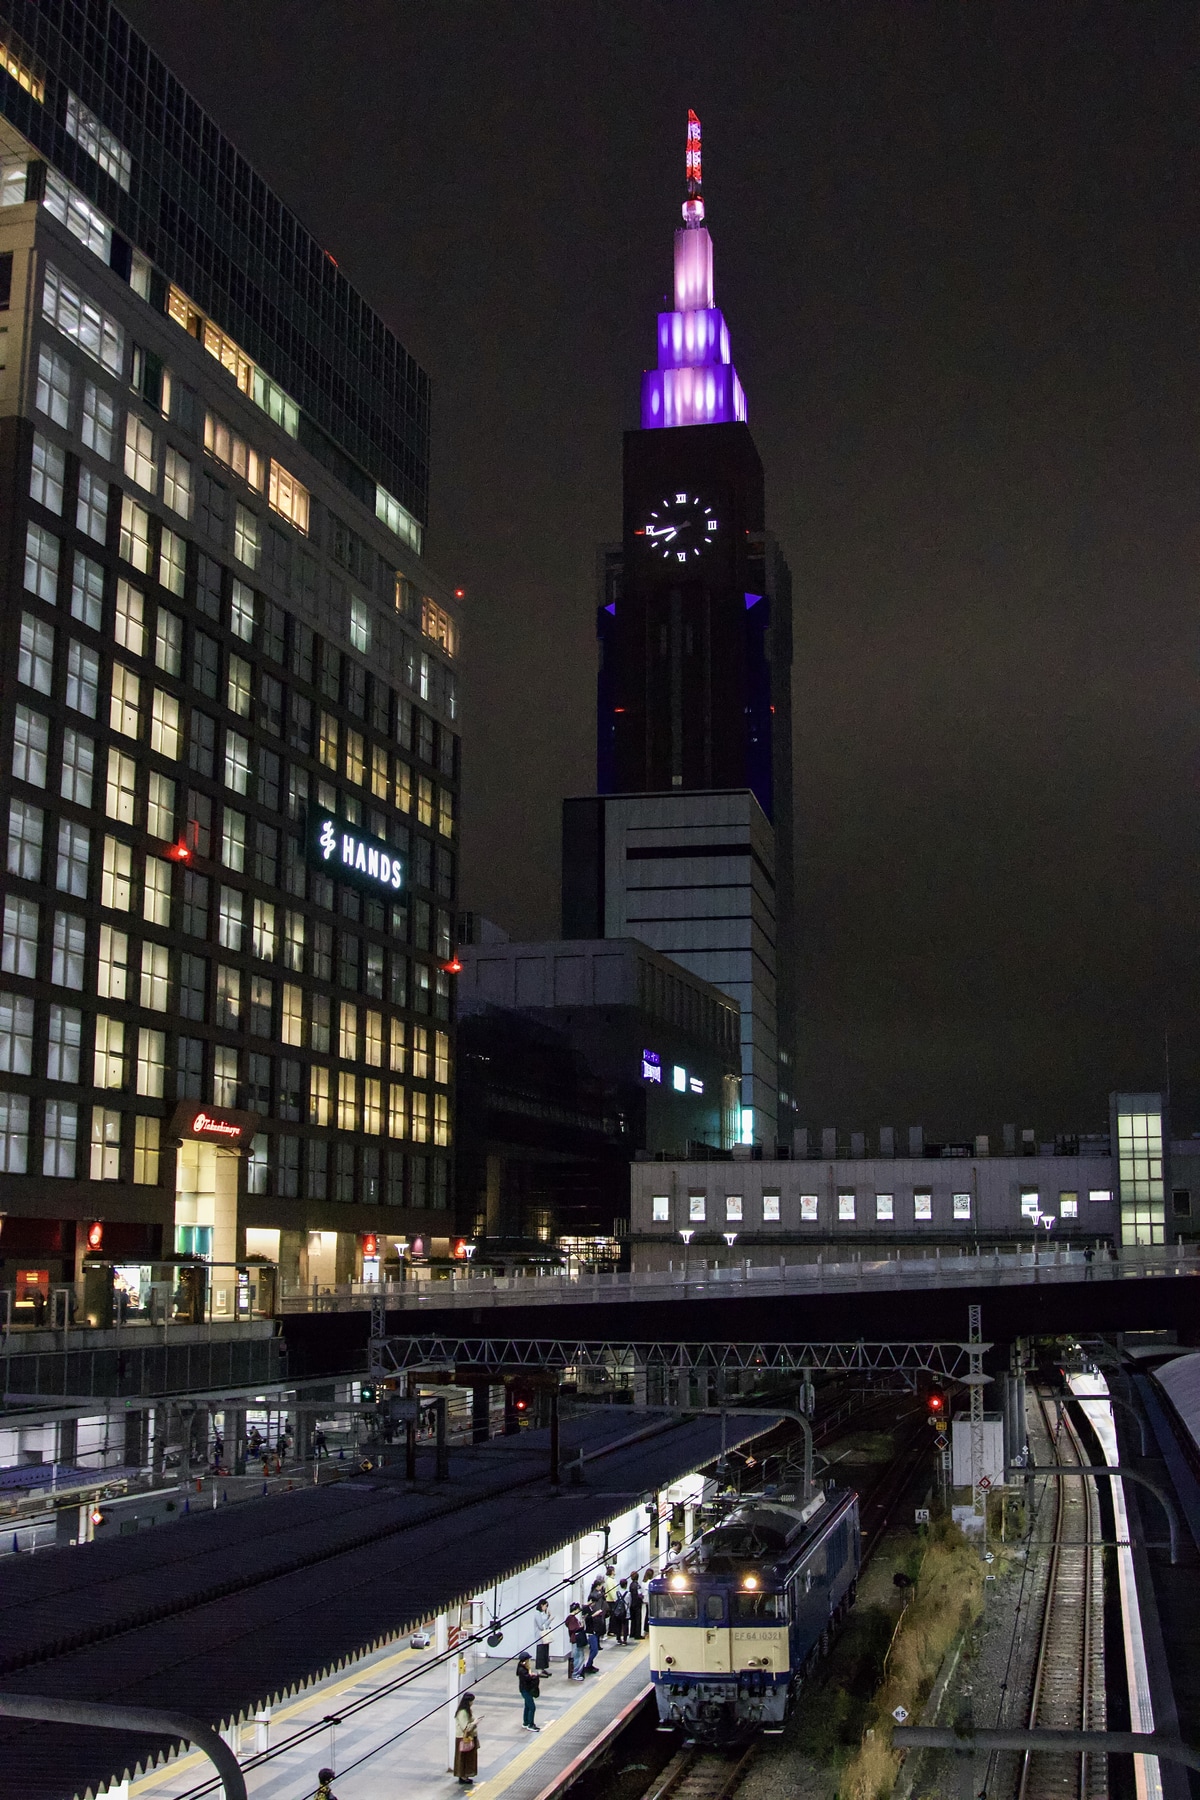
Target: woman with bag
(529,1687)
(466,1742)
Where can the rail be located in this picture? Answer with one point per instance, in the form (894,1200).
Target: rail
(470,1287)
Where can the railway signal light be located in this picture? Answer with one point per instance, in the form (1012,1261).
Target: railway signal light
(936,1404)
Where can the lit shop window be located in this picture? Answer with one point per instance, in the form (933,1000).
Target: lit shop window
(1068,1206)
(885,1206)
(808,1209)
(733,1208)
(98,141)
(660,1208)
(845,1206)
(288,497)
(696,1206)
(770,1204)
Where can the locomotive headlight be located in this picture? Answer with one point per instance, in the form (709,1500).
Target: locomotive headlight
(679,1584)
(750,1581)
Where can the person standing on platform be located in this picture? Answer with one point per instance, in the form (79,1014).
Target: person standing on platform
(545,1631)
(647,1578)
(530,1687)
(594,1620)
(637,1606)
(618,1618)
(578,1638)
(325,1785)
(466,1742)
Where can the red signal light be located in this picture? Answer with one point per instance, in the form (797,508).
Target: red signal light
(936,1403)
(95,1234)
(453,967)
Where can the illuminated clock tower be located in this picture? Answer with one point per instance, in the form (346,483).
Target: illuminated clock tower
(689,845)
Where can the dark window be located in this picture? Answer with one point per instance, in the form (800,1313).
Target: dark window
(304,589)
(351,904)
(404,723)
(356,689)
(424,744)
(199,822)
(331,671)
(195,905)
(374,978)
(422,862)
(399,921)
(373,909)
(193,985)
(422,915)
(6,262)
(343,1171)
(266,853)
(287,1105)
(398,988)
(759,1606)
(317,1162)
(287,1167)
(274,625)
(418,1182)
(270,695)
(348,958)
(441,1184)
(279,561)
(268,781)
(673,1606)
(202,748)
(206,664)
(447,744)
(258,1076)
(302,646)
(322,952)
(422,987)
(369,1179)
(381,706)
(189,1069)
(714,1606)
(1181,1203)
(441,988)
(322,891)
(300,726)
(209,576)
(294,873)
(445,873)
(394,1193)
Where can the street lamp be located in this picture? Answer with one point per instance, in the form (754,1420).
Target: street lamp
(687,1237)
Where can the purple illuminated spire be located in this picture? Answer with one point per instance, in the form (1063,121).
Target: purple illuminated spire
(695,383)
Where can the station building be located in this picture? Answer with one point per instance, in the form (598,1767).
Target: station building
(228,707)
(831,1198)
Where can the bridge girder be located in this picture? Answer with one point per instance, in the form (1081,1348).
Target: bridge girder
(399,1355)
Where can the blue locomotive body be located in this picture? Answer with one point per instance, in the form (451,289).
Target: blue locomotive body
(738,1618)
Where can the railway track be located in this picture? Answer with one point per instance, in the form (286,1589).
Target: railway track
(1068,1678)
(696,1774)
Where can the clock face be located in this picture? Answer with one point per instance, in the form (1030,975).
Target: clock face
(680,528)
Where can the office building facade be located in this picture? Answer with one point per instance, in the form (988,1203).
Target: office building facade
(228,711)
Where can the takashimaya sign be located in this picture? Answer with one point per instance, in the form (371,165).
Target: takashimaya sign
(213,1124)
(334,846)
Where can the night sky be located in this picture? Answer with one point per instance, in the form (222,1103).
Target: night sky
(957,247)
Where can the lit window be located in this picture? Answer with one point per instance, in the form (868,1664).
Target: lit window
(328,746)
(225,1082)
(1100,1196)
(264,930)
(845,1205)
(145,1152)
(247,536)
(60,1133)
(109,1055)
(91,506)
(288,497)
(66,967)
(922,1205)
(121,790)
(398,519)
(18,951)
(437,624)
(770,1208)
(172,560)
(35,661)
(168,642)
(1031,1204)
(226,447)
(70,311)
(238,692)
(139,276)
(808,1209)
(74,851)
(962,1206)
(360,626)
(229,995)
(885,1206)
(441,1119)
(695,1206)
(99,423)
(419,1125)
(660,1208)
(348,1032)
(124,700)
(347,1101)
(230,919)
(293,940)
(441,1058)
(135,534)
(233,840)
(292,1016)
(31,738)
(130,630)
(52,395)
(22,74)
(63,1040)
(81,218)
(379,772)
(41,563)
(241,619)
(420,1052)
(397,1110)
(733,1208)
(372,1106)
(16,1034)
(83,678)
(25,824)
(228,355)
(160,808)
(318,1095)
(425,802)
(156,893)
(445,812)
(140,462)
(46,471)
(98,142)
(403,795)
(106,1144)
(356,766)
(87,591)
(177,483)
(14,1133)
(1068,1206)
(237,762)
(116,879)
(113,966)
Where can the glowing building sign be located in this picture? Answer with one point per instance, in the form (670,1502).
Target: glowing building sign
(334,846)
(695,382)
(651,1066)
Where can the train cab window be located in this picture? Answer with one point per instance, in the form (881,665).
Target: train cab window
(751,1607)
(714,1608)
(673,1606)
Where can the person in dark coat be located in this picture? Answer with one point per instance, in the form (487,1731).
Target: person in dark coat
(637,1607)
(325,1785)
(529,1687)
(594,1620)
(577,1637)
(618,1617)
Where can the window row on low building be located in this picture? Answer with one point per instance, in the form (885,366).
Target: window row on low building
(846,1206)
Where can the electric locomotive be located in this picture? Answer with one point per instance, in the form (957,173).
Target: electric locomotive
(737,1620)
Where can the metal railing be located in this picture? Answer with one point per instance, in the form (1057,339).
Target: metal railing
(956,1267)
